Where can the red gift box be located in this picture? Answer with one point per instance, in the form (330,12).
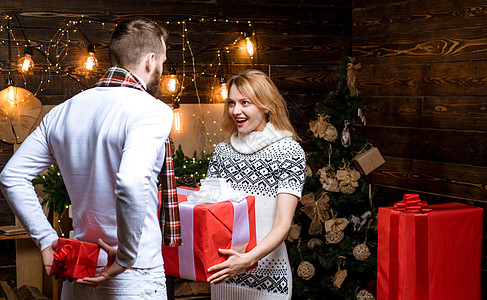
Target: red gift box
(429,252)
(205,228)
(75,259)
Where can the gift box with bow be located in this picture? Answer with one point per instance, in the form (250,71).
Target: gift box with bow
(429,251)
(214,217)
(75,259)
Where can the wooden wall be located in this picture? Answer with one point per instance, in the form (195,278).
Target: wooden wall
(423,80)
(299,43)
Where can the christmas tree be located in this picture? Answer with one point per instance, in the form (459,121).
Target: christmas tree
(332,243)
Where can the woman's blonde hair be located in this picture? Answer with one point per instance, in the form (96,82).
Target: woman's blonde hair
(263,93)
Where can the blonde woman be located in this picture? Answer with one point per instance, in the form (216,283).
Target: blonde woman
(260,156)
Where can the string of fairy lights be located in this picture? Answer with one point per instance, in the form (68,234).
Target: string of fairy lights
(58,48)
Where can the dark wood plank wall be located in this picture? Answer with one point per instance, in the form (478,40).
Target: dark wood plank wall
(423,79)
(300,44)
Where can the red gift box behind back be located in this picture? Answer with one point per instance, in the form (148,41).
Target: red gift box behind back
(429,252)
(206,228)
(75,259)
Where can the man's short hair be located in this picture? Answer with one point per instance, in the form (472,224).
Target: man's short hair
(132,39)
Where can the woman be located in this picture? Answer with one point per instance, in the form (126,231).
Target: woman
(261,157)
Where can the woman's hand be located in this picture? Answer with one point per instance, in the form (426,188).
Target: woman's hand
(235,264)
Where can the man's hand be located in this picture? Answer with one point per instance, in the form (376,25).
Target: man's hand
(47,257)
(111,270)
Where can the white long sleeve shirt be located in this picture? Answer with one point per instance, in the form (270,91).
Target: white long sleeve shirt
(109,145)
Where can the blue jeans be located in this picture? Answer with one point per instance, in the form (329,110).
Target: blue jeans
(130,285)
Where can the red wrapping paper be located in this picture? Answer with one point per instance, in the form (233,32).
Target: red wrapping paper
(213,227)
(75,259)
(429,252)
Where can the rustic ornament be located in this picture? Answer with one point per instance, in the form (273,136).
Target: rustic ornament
(346,137)
(328,175)
(358,222)
(347,179)
(365,295)
(186,180)
(361,252)
(367,160)
(314,242)
(294,232)
(322,128)
(334,230)
(361,115)
(317,211)
(352,68)
(306,270)
(340,274)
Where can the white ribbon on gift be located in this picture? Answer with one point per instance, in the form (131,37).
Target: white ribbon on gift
(241,229)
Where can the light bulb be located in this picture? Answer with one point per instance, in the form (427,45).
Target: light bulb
(25,64)
(11,96)
(224,91)
(250,46)
(91,61)
(171,82)
(177,121)
(171,86)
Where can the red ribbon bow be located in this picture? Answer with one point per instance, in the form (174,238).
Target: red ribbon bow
(411,204)
(64,256)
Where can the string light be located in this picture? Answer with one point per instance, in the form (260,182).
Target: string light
(25,64)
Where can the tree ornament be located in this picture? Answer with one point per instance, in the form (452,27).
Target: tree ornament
(340,274)
(358,222)
(365,295)
(347,179)
(328,175)
(334,230)
(346,137)
(317,211)
(352,76)
(322,128)
(294,232)
(314,242)
(309,172)
(306,270)
(361,252)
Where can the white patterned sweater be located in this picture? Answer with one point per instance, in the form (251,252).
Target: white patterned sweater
(264,164)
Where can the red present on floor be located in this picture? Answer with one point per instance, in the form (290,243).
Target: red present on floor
(429,251)
(75,259)
(205,228)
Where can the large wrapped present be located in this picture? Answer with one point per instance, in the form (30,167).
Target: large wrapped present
(212,218)
(429,251)
(75,259)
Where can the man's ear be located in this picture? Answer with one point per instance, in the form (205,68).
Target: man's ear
(150,62)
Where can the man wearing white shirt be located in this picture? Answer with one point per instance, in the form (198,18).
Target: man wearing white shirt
(109,144)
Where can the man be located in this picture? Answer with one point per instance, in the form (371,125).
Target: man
(109,143)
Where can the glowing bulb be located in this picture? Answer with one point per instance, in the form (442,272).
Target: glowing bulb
(250,46)
(11,96)
(171,82)
(224,91)
(171,86)
(25,64)
(91,61)
(177,121)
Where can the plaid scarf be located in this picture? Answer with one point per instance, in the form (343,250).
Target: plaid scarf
(168,203)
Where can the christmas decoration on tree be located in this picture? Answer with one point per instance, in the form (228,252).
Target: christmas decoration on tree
(54,188)
(336,198)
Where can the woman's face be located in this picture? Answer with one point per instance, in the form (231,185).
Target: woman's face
(247,116)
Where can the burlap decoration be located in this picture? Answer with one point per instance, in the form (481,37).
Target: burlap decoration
(294,233)
(321,128)
(347,179)
(317,211)
(309,172)
(334,230)
(314,242)
(361,252)
(352,76)
(306,270)
(365,295)
(328,178)
(340,274)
